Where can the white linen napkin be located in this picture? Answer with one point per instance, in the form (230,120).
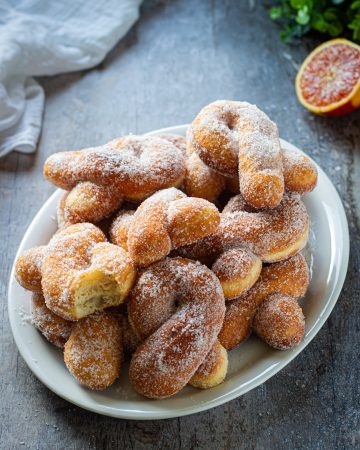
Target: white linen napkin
(47,37)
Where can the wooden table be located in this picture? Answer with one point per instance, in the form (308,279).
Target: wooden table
(180,56)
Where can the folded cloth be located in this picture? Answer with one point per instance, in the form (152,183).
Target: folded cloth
(42,37)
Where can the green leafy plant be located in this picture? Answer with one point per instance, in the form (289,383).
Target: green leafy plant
(329,17)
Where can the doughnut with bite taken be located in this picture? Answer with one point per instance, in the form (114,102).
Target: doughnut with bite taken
(78,272)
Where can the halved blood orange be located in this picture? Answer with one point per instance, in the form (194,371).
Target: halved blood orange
(328,82)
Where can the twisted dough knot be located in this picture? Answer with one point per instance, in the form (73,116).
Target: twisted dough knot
(238,139)
(135,166)
(53,327)
(167,220)
(87,202)
(178,307)
(273,299)
(79,271)
(94,352)
(300,173)
(245,238)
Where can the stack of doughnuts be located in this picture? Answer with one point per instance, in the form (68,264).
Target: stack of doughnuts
(171,251)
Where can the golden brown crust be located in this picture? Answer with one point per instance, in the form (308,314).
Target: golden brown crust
(289,277)
(60,215)
(236,138)
(88,202)
(238,320)
(213,369)
(237,270)
(120,226)
(131,340)
(300,173)
(54,328)
(177,140)
(82,273)
(28,268)
(174,349)
(136,166)
(272,235)
(93,353)
(167,220)
(280,322)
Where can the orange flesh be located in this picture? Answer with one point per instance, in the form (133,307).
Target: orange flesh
(330,75)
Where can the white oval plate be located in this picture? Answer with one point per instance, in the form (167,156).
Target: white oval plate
(251,364)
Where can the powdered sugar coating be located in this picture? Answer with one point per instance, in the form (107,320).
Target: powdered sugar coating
(173,350)
(119,228)
(93,353)
(177,140)
(136,166)
(166,220)
(87,202)
(76,255)
(68,251)
(54,328)
(28,268)
(300,173)
(280,322)
(270,234)
(289,277)
(237,138)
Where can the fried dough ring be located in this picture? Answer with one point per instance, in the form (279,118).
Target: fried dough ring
(120,226)
(237,138)
(88,202)
(271,235)
(28,268)
(54,328)
(280,322)
(289,277)
(300,173)
(135,166)
(93,353)
(167,360)
(82,273)
(237,270)
(168,220)
(213,369)
(200,181)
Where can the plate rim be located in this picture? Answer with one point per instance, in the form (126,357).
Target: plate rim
(232,394)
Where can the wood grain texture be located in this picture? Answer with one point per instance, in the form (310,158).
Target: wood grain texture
(181,55)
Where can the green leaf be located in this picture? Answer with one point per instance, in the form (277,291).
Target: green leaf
(355,5)
(300,4)
(330,15)
(303,16)
(335,29)
(276,12)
